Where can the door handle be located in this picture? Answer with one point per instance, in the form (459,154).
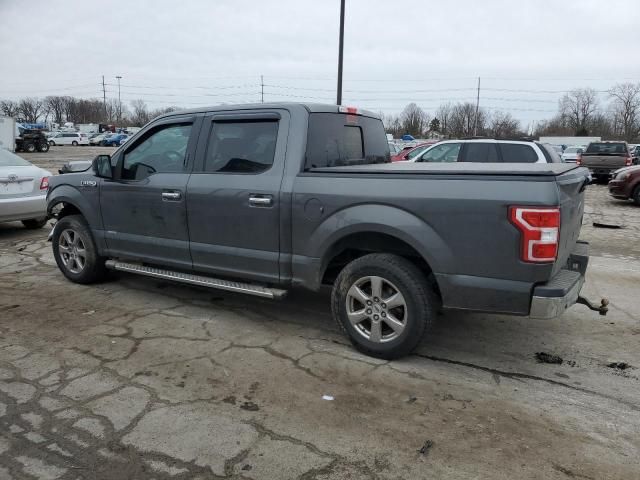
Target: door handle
(171,196)
(261,200)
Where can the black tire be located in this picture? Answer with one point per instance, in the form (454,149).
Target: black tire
(30,147)
(74,143)
(51,143)
(418,311)
(635,196)
(93,269)
(34,223)
(43,147)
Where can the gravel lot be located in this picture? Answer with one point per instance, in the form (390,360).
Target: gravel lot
(137,378)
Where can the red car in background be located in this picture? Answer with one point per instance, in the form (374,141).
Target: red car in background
(407,153)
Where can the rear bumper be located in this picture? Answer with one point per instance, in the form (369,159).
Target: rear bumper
(23,208)
(551,299)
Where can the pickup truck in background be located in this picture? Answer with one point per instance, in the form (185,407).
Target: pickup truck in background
(603,158)
(263,198)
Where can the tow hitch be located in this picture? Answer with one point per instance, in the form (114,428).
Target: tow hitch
(602,309)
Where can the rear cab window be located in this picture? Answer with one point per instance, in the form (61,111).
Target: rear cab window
(337,139)
(607,148)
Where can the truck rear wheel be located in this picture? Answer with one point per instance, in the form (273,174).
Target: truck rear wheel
(30,147)
(636,196)
(75,251)
(384,303)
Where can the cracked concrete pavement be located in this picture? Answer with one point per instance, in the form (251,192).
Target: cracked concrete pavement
(139,379)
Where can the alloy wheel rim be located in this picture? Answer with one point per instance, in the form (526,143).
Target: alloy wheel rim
(72,251)
(376,309)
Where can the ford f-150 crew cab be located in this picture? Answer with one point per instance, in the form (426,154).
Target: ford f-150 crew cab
(263,198)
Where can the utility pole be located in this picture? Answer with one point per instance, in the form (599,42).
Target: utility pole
(475,124)
(261,89)
(119,101)
(340,50)
(104,98)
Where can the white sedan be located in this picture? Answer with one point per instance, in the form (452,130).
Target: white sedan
(23,191)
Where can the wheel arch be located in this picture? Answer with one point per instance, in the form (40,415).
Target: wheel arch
(360,231)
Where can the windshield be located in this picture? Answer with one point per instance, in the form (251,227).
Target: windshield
(573,150)
(8,159)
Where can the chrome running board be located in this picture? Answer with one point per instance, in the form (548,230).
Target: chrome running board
(257,290)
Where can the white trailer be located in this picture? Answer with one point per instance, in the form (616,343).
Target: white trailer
(569,141)
(88,127)
(7,133)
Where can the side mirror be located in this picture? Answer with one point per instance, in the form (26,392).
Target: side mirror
(102,166)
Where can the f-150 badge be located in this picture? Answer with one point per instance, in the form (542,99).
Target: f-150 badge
(88,183)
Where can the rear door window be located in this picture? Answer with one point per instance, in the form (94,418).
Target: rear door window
(480,152)
(518,153)
(336,139)
(245,146)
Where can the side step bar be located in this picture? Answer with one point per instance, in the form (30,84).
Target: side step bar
(192,279)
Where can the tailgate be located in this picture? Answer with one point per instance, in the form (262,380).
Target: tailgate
(606,161)
(571,186)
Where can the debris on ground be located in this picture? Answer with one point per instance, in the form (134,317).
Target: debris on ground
(426,447)
(544,357)
(250,407)
(20,249)
(606,225)
(619,365)
(412,399)
(327,397)
(90,312)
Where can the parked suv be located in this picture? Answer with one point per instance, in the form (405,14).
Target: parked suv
(69,138)
(489,151)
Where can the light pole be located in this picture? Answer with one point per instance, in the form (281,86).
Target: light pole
(340,49)
(119,101)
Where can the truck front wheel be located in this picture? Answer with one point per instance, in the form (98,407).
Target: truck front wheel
(75,251)
(384,303)
(30,147)
(43,147)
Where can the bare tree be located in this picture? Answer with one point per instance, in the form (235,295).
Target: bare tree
(503,125)
(30,109)
(140,114)
(56,106)
(626,110)
(463,118)
(444,115)
(9,108)
(414,120)
(578,107)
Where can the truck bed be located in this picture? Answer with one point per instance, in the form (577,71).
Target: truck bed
(500,169)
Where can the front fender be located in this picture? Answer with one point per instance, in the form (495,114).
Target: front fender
(384,219)
(87,204)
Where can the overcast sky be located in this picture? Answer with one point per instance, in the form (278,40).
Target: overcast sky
(197,52)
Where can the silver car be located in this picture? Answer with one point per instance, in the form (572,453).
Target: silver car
(23,191)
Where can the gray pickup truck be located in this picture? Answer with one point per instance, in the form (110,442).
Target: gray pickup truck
(603,158)
(262,198)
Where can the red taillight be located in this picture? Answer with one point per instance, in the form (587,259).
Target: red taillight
(44,183)
(579,159)
(628,161)
(540,229)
